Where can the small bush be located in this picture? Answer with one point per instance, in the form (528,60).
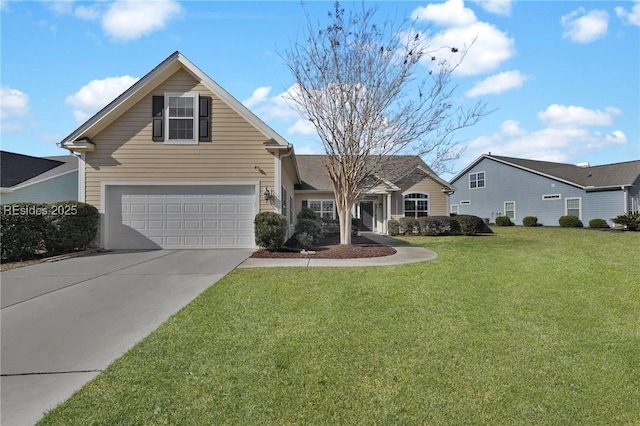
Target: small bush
(270,230)
(330,226)
(472,225)
(438,225)
(530,221)
(311,227)
(22,230)
(630,221)
(72,226)
(306,213)
(570,222)
(304,240)
(598,224)
(408,225)
(503,221)
(393,227)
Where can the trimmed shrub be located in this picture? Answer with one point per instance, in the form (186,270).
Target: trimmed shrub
(304,240)
(630,221)
(72,226)
(598,224)
(22,230)
(306,213)
(311,227)
(503,221)
(393,227)
(408,225)
(270,230)
(472,225)
(570,222)
(530,221)
(438,225)
(330,226)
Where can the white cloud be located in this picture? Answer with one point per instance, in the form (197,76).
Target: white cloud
(97,94)
(497,7)
(258,96)
(302,127)
(14,108)
(491,47)
(512,128)
(279,107)
(451,13)
(127,20)
(565,135)
(584,27)
(497,83)
(571,116)
(88,13)
(632,17)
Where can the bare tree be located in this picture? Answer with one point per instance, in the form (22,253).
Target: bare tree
(356,83)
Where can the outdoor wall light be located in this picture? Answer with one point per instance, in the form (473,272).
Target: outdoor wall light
(267,194)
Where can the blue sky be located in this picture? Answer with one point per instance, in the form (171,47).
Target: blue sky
(563,77)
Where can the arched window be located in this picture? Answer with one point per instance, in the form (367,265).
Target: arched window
(416,205)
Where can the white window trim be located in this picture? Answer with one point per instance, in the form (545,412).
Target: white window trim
(551,197)
(456,207)
(484,180)
(196,115)
(566,207)
(404,198)
(324,200)
(514,209)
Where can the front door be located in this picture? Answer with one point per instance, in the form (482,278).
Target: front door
(366,215)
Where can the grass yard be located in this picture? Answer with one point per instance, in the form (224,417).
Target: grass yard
(530,326)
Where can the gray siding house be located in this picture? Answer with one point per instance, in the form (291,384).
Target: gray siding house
(37,180)
(493,185)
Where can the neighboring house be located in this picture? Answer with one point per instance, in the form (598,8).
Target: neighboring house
(405,187)
(494,185)
(177,162)
(37,180)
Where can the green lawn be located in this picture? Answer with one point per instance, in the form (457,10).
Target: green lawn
(530,326)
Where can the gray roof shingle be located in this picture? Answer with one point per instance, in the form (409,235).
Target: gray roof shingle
(607,175)
(18,169)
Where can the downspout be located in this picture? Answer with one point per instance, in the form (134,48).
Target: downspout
(625,192)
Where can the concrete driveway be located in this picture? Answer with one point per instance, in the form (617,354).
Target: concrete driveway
(64,322)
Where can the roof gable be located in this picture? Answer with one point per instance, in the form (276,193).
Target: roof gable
(397,167)
(148,83)
(603,176)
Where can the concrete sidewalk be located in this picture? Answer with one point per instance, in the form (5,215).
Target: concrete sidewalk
(405,253)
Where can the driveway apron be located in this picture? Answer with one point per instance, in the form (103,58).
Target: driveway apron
(64,322)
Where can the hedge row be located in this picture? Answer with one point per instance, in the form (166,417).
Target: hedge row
(29,230)
(439,225)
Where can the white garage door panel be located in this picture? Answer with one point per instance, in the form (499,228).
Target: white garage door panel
(143,217)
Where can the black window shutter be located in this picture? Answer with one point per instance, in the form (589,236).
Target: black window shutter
(156,113)
(305,203)
(205,119)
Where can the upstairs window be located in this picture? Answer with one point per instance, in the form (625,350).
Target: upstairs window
(181,118)
(416,205)
(477,180)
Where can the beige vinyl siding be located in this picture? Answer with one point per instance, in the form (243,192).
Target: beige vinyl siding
(125,152)
(437,198)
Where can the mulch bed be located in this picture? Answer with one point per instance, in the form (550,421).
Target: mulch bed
(330,248)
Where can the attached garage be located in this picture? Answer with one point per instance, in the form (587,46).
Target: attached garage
(179,216)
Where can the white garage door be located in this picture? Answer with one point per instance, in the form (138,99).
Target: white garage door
(184,217)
